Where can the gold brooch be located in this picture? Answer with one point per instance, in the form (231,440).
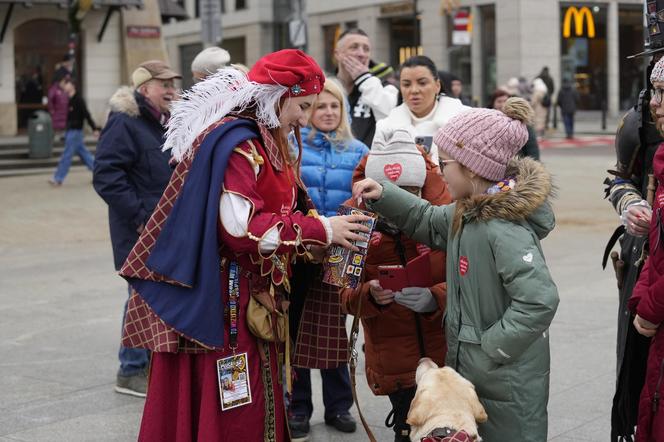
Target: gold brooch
(459,144)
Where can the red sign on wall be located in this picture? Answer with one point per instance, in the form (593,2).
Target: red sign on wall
(143,31)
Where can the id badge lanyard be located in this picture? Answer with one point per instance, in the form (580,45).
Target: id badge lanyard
(233,302)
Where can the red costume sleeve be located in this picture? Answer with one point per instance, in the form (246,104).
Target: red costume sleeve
(295,228)
(650,293)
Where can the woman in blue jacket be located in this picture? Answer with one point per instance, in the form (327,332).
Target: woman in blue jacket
(329,157)
(330,152)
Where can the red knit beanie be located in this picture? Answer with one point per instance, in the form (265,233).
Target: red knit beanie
(291,68)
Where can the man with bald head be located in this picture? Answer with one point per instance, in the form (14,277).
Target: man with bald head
(370,100)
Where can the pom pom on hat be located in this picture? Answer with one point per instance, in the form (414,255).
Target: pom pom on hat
(397,160)
(484,140)
(291,68)
(519,109)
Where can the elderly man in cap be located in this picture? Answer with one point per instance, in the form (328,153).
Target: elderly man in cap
(209,61)
(130,174)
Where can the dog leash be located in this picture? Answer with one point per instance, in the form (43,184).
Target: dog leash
(353,364)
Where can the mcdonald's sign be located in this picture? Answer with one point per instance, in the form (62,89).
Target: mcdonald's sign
(580,15)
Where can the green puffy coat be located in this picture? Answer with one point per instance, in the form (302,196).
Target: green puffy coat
(500,296)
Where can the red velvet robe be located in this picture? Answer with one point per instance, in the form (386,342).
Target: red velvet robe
(183,401)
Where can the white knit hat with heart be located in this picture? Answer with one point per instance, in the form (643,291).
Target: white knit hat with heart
(397,160)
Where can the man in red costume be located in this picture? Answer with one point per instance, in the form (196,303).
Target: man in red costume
(220,244)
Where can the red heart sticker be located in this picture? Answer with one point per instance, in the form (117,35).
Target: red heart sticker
(463,265)
(392,171)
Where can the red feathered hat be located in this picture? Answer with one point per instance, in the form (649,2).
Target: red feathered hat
(291,68)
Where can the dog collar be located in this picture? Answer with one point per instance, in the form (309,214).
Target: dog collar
(447,434)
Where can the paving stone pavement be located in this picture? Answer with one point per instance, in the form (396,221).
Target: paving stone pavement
(60,307)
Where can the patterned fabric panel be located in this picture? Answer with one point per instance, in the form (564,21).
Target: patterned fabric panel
(322,341)
(144,329)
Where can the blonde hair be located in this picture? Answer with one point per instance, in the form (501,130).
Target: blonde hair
(342,133)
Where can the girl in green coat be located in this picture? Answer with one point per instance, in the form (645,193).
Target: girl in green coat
(500,296)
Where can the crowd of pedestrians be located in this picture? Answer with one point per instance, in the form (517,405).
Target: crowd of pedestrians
(222,202)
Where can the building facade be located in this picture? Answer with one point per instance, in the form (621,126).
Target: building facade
(506,38)
(115,35)
(483,42)
(586,42)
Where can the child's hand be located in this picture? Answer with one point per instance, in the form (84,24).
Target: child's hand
(644,327)
(418,299)
(367,188)
(380,296)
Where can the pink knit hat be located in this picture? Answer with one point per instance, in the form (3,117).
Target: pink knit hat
(484,140)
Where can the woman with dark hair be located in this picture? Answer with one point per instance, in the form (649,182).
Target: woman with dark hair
(424,109)
(531,148)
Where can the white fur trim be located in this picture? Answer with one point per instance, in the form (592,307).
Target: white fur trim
(212,99)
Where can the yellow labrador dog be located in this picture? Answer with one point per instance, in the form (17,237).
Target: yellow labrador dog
(445,401)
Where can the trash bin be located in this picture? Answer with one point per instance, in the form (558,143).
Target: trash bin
(40,135)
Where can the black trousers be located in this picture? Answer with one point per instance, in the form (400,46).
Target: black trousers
(400,400)
(337,394)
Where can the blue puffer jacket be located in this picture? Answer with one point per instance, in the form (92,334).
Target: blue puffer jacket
(327,170)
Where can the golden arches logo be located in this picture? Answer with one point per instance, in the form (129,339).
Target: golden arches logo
(579,14)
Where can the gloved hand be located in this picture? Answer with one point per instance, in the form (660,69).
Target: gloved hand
(418,299)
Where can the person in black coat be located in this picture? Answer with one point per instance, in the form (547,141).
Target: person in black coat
(568,99)
(130,174)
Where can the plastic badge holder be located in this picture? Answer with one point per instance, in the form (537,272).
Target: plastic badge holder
(343,267)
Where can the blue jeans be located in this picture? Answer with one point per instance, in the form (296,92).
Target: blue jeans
(337,394)
(73,145)
(568,120)
(132,360)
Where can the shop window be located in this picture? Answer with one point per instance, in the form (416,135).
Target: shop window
(404,40)
(39,48)
(488,52)
(237,48)
(240,4)
(459,59)
(187,55)
(583,52)
(331,34)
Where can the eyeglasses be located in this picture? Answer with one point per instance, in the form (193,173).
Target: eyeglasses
(443,163)
(657,95)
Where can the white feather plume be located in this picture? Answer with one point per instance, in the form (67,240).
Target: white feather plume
(212,99)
